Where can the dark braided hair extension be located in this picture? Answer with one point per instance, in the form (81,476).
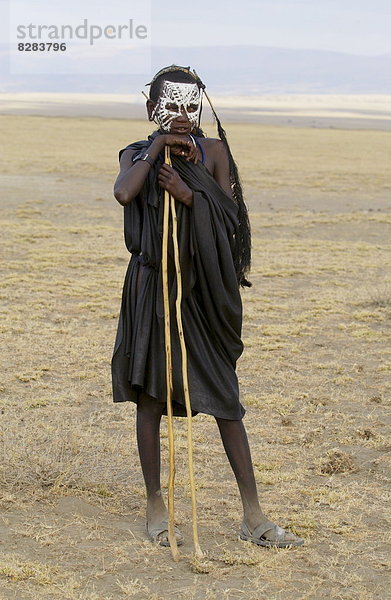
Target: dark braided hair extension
(242,256)
(242,253)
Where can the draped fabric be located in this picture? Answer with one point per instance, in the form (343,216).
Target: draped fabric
(211,305)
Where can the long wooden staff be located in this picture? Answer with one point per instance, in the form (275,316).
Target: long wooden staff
(167,339)
(185,382)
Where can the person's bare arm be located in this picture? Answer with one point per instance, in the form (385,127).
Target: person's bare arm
(131,177)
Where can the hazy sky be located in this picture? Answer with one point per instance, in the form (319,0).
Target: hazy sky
(353,26)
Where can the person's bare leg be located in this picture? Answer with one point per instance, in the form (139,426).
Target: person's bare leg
(149,413)
(234,437)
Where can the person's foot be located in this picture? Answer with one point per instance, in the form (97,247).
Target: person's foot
(159,534)
(269,534)
(157,524)
(156,513)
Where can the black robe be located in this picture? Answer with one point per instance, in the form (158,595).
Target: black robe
(211,305)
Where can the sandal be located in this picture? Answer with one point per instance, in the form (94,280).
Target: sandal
(159,535)
(279,536)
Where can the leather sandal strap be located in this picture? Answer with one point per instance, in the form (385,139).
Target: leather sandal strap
(155,532)
(262,529)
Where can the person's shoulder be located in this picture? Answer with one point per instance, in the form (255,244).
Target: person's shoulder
(214,145)
(134,145)
(210,141)
(130,149)
(126,153)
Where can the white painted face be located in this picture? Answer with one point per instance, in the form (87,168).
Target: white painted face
(175,98)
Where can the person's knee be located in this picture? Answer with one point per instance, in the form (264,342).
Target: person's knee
(147,404)
(228,422)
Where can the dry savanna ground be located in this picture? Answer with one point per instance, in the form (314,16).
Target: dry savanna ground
(315,375)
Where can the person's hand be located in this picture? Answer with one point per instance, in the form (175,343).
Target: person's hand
(170,180)
(180,146)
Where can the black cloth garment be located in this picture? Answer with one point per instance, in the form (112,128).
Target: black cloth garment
(211,305)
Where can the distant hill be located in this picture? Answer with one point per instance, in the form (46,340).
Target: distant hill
(255,69)
(233,70)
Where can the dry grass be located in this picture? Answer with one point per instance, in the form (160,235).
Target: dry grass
(314,375)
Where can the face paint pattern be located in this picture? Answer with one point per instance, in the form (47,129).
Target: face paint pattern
(182,96)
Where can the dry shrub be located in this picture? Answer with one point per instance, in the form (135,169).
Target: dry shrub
(337,461)
(15,568)
(201,566)
(380,296)
(366,434)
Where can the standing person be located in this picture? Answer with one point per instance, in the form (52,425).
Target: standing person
(214,245)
